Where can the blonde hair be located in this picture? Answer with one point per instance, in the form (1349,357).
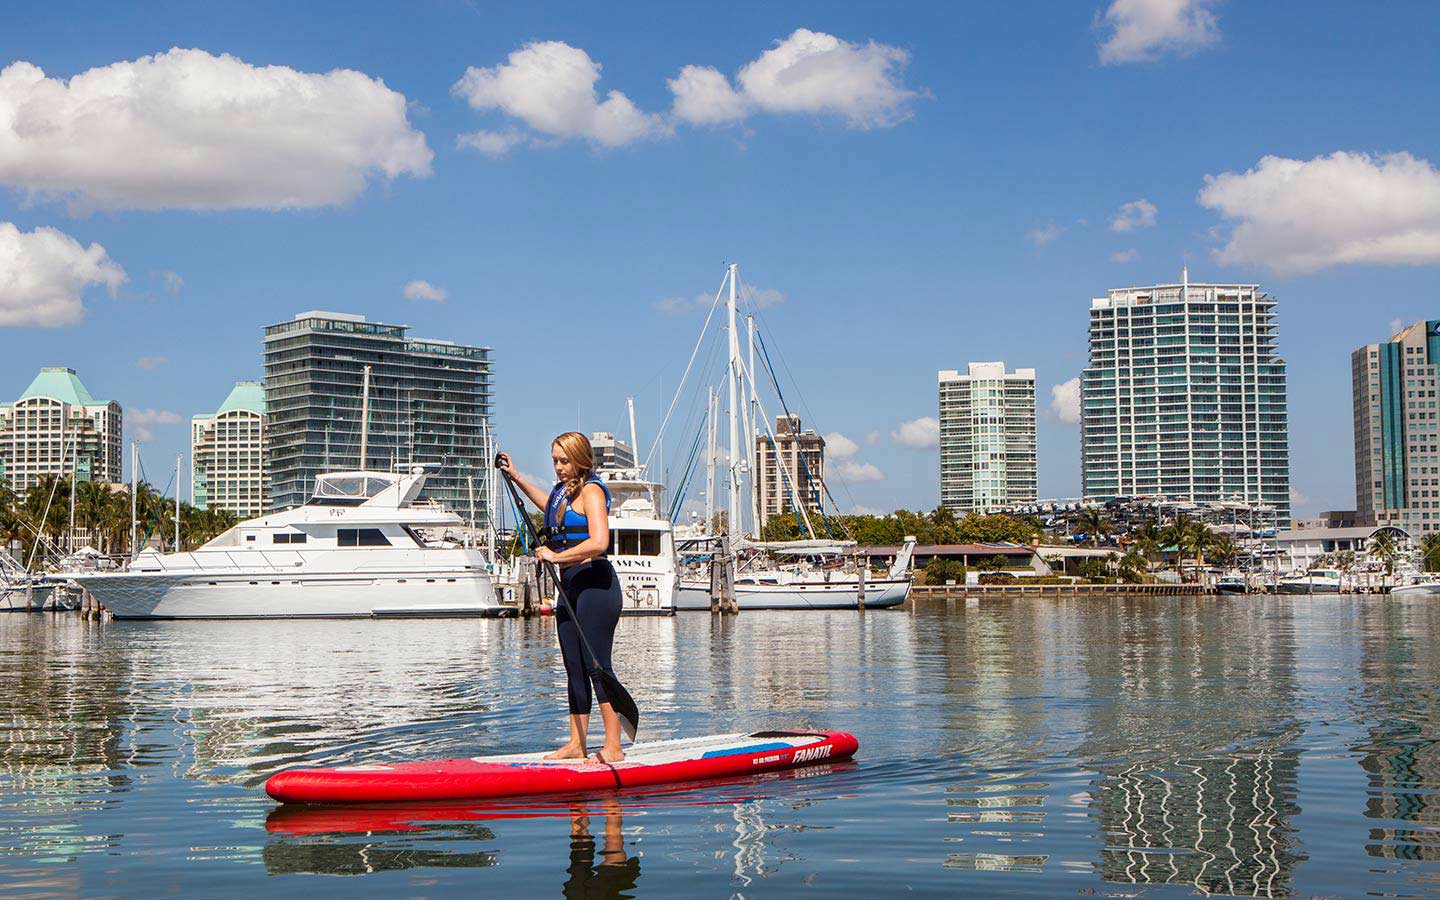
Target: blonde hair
(577,449)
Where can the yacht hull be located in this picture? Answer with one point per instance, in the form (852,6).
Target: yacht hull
(1427,589)
(1302,587)
(270,595)
(25,598)
(817,595)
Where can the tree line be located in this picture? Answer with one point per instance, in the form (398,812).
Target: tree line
(102,514)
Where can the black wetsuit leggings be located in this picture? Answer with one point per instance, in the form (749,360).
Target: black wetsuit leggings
(594,590)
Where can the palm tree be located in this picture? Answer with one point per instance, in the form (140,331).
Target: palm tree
(1223,549)
(1146,539)
(1093,522)
(1384,545)
(1430,551)
(1190,536)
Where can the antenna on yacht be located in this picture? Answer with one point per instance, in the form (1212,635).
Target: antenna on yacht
(364,417)
(634,444)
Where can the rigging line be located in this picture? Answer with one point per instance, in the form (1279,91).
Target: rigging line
(784,470)
(690,467)
(693,406)
(799,454)
(714,304)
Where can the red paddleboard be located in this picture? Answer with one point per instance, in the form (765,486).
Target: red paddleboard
(490,777)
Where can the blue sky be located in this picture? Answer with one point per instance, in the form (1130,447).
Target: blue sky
(942,192)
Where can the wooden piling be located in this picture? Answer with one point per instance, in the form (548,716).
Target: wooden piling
(722,579)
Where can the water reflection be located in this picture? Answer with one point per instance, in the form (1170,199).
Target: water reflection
(1007,749)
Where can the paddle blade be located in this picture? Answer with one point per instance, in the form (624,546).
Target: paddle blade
(621,702)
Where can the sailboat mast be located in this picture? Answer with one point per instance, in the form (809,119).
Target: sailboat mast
(74,464)
(634,444)
(364,417)
(733,509)
(134,490)
(752,421)
(178,458)
(711,429)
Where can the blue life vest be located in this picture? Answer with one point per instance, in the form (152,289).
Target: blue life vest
(576,528)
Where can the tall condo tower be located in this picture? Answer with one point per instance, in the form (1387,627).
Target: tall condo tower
(792,466)
(1397,449)
(227,453)
(57,428)
(987,438)
(1184,397)
(430,403)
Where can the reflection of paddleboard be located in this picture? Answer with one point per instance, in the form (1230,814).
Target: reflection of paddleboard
(658,762)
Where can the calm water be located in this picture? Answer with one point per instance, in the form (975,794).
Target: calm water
(1155,748)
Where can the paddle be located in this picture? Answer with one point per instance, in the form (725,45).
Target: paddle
(619,698)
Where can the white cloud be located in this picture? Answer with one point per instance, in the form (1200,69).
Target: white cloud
(703,96)
(1299,216)
(424,290)
(920,433)
(1135,214)
(1395,326)
(550,86)
(172,281)
(859,510)
(142,434)
(809,72)
(188,130)
(761,298)
(1065,401)
(43,274)
(1125,256)
(151,362)
(492,143)
(1044,234)
(872,438)
(859,472)
(838,446)
(1298,497)
(152,417)
(1141,30)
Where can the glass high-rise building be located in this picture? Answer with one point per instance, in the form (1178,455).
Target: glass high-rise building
(430,405)
(1184,397)
(1397,434)
(987,438)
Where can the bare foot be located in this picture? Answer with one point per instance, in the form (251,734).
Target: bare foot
(608,755)
(569,751)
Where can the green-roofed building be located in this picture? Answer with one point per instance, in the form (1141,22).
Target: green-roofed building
(57,427)
(227,452)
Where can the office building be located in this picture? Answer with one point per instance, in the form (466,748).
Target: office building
(57,428)
(611,452)
(1397,435)
(987,438)
(227,454)
(1184,398)
(430,403)
(789,467)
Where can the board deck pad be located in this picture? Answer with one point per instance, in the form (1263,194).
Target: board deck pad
(515,775)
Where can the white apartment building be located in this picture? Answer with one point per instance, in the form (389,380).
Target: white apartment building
(1184,397)
(58,428)
(987,438)
(227,453)
(611,452)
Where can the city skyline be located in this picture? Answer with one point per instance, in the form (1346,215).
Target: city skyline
(932,213)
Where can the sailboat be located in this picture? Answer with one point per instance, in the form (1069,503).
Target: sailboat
(809,574)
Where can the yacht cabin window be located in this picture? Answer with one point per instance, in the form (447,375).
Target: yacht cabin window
(287,537)
(348,490)
(630,542)
(361,537)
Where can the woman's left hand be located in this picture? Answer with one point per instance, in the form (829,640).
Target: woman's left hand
(545,554)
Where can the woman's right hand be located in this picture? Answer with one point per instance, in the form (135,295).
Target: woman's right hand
(502,462)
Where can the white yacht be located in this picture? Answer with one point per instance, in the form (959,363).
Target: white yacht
(642,543)
(1419,588)
(19,590)
(804,585)
(362,546)
(1315,581)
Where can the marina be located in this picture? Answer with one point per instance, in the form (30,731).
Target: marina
(1245,746)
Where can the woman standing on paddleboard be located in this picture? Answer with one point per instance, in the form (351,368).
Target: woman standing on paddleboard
(578,528)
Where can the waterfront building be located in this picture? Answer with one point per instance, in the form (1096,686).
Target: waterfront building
(1397,435)
(611,452)
(57,428)
(430,403)
(987,438)
(802,456)
(1184,397)
(227,454)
